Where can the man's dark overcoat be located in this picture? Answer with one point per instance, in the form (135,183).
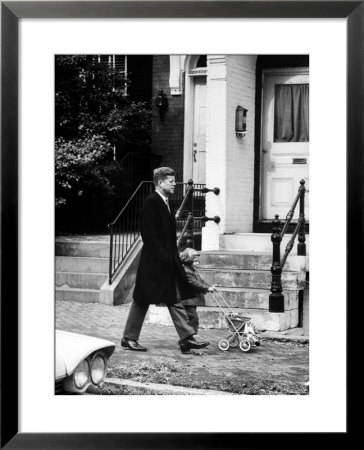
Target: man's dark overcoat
(160,266)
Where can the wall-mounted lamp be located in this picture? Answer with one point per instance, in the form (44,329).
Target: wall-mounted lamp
(161,101)
(240,121)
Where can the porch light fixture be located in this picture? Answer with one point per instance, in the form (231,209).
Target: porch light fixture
(161,101)
(240,121)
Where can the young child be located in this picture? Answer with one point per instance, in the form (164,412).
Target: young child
(190,259)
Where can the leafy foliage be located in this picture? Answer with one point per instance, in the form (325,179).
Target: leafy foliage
(76,166)
(94,122)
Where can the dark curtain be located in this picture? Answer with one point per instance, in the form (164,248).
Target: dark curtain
(291,113)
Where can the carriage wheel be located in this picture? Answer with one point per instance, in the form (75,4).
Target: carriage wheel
(224,344)
(244,345)
(233,340)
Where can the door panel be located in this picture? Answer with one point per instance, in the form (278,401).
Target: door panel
(285,156)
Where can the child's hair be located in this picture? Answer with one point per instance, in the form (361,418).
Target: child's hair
(187,255)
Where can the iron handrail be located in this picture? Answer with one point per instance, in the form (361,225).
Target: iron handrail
(290,214)
(301,223)
(124,230)
(276,298)
(189,192)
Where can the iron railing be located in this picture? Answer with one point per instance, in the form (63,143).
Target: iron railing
(124,230)
(276,298)
(193,218)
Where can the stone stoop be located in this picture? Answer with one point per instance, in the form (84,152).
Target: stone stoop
(82,268)
(243,279)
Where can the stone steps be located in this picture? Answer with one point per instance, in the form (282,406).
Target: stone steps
(82,267)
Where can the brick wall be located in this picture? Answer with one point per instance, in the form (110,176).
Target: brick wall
(240,151)
(167,131)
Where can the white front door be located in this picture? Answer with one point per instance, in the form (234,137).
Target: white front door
(285,142)
(199,131)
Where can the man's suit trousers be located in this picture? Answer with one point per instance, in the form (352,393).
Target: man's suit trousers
(137,315)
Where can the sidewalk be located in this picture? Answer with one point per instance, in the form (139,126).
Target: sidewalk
(281,362)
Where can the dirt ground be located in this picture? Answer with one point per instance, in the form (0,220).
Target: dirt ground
(273,368)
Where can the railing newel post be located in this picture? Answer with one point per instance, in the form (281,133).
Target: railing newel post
(190,238)
(276,298)
(301,246)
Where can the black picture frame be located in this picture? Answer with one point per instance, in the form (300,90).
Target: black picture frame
(11,12)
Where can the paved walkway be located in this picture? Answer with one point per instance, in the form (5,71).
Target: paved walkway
(281,357)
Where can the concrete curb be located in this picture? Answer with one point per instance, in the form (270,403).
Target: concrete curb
(283,337)
(160,389)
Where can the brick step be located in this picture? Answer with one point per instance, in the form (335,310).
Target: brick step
(248,260)
(257,279)
(80,280)
(77,295)
(249,298)
(215,318)
(82,264)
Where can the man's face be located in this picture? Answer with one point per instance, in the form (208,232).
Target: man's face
(167,185)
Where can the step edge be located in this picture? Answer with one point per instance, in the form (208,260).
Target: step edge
(60,288)
(83,273)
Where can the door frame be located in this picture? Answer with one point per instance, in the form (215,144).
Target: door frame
(277,64)
(190,64)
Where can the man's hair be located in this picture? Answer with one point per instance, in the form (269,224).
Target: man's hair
(161,173)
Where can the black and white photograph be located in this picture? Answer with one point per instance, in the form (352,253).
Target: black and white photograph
(182,224)
(181,194)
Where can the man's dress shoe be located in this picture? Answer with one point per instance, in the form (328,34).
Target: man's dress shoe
(190,343)
(132,345)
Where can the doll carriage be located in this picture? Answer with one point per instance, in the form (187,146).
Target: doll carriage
(241,328)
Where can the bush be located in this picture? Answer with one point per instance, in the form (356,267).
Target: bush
(94,119)
(76,167)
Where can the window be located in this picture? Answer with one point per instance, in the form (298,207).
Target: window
(118,62)
(291,113)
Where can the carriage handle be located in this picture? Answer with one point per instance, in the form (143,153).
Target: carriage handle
(222,298)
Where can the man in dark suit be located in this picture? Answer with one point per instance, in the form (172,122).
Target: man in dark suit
(160,269)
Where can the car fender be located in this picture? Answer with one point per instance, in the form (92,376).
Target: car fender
(72,348)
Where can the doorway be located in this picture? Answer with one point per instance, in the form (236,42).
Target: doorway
(199,131)
(194,166)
